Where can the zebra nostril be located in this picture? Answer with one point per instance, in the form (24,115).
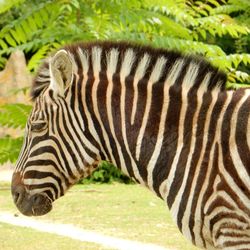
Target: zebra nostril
(18,192)
(17,188)
(16,197)
(36,199)
(40,204)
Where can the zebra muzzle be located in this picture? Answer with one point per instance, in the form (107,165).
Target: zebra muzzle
(29,205)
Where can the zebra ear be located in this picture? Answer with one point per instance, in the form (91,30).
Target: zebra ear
(61,72)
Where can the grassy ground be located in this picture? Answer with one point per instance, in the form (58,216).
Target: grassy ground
(126,211)
(13,238)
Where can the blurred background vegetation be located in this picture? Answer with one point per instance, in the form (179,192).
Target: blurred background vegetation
(216,29)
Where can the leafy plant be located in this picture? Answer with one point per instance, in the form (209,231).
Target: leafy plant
(106,173)
(218,30)
(9,148)
(38,27)
(14,115)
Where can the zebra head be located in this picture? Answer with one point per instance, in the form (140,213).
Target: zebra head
(55,152)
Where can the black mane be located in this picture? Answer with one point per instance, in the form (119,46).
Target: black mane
(218,78)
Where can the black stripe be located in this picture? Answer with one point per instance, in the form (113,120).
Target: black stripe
(32,174)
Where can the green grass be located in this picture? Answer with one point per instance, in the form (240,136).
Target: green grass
(13,238)
(126,211)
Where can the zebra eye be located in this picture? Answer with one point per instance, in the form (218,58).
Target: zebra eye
(38,126)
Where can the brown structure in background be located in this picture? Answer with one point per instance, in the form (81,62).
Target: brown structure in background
(13,78)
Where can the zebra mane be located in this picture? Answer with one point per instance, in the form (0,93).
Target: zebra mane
(202,67)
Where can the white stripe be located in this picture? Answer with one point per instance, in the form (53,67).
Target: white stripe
(188,82)
(44,168)
(241,169)
(75,140)
(96,60)
(173,75)
(175,72)
(154,77)
(139,74)
(48,155)
(23,153)
(46,180)
(230,180)
(84,58)
(206,182)
(163,189)
(75,95)
(64,148)
(112,60)
(127,63)
(80,130)
(192,74)
(42,79)
(38,190)
(247,92)
(171,79)
(125,71)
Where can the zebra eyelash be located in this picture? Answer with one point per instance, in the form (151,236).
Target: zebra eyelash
(38,126)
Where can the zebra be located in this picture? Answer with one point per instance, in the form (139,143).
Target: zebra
(164,118)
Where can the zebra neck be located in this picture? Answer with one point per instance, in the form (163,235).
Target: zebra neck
(149,127)
(148,132)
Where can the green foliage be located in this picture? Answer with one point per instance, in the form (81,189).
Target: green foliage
(38,27)
(218,30)
(14,115)
(10,148)
(6,5)
(27,30)
(106,173)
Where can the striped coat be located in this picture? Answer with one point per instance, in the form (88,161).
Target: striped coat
(166,120)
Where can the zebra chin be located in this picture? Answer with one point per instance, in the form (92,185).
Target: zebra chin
(29,205)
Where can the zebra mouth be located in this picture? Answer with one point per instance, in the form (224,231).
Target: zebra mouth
(29,205)
(35,205)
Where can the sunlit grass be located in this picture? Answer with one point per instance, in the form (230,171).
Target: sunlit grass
(19,238)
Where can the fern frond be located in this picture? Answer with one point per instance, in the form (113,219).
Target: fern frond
(238,76)
(25,27)
(7,5)
(169,28)
(205,8)
(227,9)
(178,11)
(237,85)
(221,25)
(244,3)
(188,46)
(10,148)
(14,115)
(236,59)
(231,61)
